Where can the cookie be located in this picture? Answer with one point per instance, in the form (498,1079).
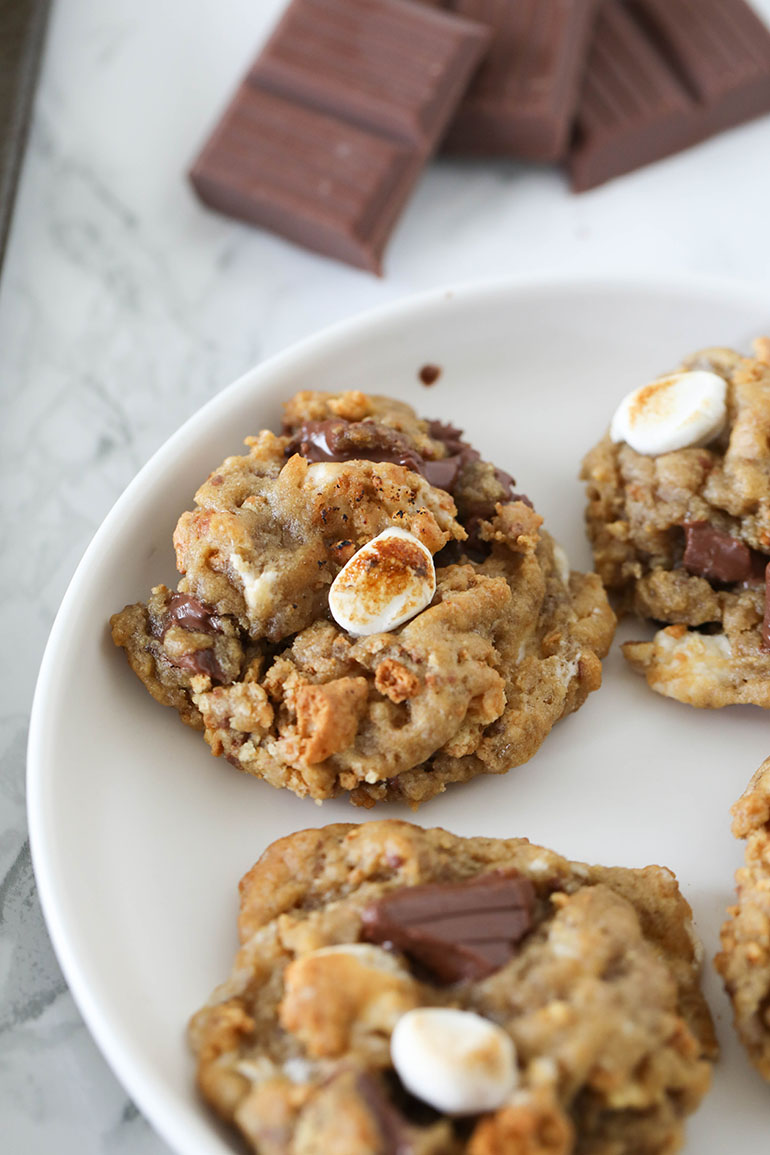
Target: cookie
(744,961)
(367,606)
(679,519)
(407,990)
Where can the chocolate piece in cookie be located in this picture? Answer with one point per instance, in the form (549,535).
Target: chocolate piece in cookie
(744,961)
(365,605)
(588,1033)
(456,930)
(679,519)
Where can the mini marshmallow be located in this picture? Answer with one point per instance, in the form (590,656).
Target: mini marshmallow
(457,1061)
(384,584)
(675,412)
(561,562)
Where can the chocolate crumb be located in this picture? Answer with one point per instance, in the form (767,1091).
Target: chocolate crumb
(429,374)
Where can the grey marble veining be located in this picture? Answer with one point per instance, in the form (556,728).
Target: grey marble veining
(124,306)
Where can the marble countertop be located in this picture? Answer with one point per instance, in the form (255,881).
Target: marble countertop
(124,306)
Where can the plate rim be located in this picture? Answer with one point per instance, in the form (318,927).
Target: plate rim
(160,1109)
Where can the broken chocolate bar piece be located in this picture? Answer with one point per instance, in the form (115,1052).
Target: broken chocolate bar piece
(521,103)
(663,75)
(385,66)
(312,178)
(461,930)
(328,134)
(720,49)
(714,555)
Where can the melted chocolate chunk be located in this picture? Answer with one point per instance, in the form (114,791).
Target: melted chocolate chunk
(391,1124)
(191,614)
(714,555)
(450,554)
(452,437)
(201,662)
(339,440)
(443,472)
(464,453)
(460,930)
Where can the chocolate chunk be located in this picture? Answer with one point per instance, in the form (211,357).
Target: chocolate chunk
(462,930)
(450,435)
(714,555)
(521,102)
(443,472)
(191,614)
(340,440)
(663,75)
(451,554)
(328,134)
(200,662)
(465,453)
(391,1124)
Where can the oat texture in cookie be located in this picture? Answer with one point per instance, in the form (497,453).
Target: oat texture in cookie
(679,518)
(367,606)
(744,961)
(407,990)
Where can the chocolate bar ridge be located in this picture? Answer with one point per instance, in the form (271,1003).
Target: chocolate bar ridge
(719,48)
(522,100)
(315,147)
(664,75)
(367,78)
(268,164)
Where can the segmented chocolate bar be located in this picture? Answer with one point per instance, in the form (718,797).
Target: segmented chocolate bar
(521,103)
(386,66)
(329,132)
(663,75)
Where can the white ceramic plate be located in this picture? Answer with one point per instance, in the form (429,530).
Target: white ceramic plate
(139,836)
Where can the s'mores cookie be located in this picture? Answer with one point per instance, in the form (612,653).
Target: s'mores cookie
(366,606)
(744,961)
(679,519)
(408,990)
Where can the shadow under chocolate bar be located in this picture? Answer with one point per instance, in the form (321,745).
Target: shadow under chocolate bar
(663,75)
(328,134)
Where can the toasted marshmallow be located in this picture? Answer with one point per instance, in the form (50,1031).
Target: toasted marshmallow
(457,1061)
(387,582)
(675,412)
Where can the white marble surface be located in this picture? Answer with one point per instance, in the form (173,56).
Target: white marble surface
(124,306)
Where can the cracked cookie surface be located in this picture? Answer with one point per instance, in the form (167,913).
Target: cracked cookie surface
(597,989)
(247,650)
(744,961)
(682,539)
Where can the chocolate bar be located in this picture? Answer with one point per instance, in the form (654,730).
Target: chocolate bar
(663,75)
(328,134)
(521,102)
(383,66)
